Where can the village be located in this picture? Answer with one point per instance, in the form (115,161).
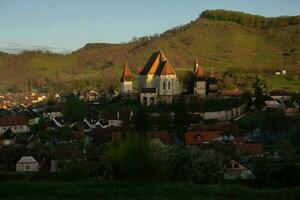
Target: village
(44,133)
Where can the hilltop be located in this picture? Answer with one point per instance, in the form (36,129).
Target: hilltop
(237,49)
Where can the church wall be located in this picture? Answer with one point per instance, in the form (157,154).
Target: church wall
(126,87)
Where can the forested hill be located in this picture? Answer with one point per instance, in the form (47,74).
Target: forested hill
(233,47)
(246,19)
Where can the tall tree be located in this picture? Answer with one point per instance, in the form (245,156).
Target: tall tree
(258,87)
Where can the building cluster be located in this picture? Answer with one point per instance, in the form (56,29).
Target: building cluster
(158,82)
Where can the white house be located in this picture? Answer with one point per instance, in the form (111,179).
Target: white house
(27,164)
(16,124)
(235,170)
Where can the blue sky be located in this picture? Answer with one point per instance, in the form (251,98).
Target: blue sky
(66,25)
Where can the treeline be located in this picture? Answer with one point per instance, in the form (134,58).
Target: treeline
(250,20)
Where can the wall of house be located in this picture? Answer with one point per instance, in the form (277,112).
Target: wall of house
(224,115)
(200,88)
(27,167)
(15,129)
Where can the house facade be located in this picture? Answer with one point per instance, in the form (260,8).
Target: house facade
(16,124)
(27,164)
(235,170)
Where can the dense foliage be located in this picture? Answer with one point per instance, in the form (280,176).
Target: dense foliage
(246,19)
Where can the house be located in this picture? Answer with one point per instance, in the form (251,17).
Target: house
(291,107)
(271,104)
(53,111)
(16,123)
(162,136)
(252,149)
(116,118)
(280,94)
(234,170)
(27,164)
(64,154)
(202,137)
(8,138)
(101,136)
(31,117)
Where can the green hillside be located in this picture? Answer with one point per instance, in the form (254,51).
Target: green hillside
(235,51)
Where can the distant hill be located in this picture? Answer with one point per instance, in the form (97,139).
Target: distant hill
(237,49)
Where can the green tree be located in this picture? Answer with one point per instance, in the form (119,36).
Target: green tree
(181,120)
(141,120)
(188,81)
(258,87)
(74,109)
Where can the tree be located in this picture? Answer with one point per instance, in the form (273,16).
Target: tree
(258,87)
(74,109)
(188,81)
(141,120)
(181,120)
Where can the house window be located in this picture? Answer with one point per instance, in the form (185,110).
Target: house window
(164,85)
(236,166)
(169,85)
(15,127)
(229,166)
(27,167)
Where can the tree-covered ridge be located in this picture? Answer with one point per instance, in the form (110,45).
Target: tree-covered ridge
(246,19)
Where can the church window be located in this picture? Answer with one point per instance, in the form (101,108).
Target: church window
(164,85)
(169,85)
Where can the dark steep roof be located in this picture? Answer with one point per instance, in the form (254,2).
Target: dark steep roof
(158,65)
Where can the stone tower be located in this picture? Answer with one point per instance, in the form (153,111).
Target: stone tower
(126,80)
(200,80)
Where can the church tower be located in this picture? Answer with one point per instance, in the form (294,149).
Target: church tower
(200,80)
(212,84)
(126,80)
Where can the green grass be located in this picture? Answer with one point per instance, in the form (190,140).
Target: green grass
(137,190)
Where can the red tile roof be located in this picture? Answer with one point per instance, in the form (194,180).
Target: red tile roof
(12,120)
(250,148)
(164,136)
(196,137)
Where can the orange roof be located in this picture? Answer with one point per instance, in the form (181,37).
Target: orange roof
(200,72)
(12,120)
(165,68)
(126,76)
(195,137)
(157,65)
(164,136)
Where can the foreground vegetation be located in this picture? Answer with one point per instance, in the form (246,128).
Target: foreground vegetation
(137,190)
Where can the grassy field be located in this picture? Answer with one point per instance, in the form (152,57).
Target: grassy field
(136,190)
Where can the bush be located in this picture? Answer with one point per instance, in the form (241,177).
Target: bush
(129,158)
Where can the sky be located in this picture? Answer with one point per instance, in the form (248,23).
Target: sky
(66,25)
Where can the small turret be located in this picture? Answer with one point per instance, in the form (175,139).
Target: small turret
(126,80)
